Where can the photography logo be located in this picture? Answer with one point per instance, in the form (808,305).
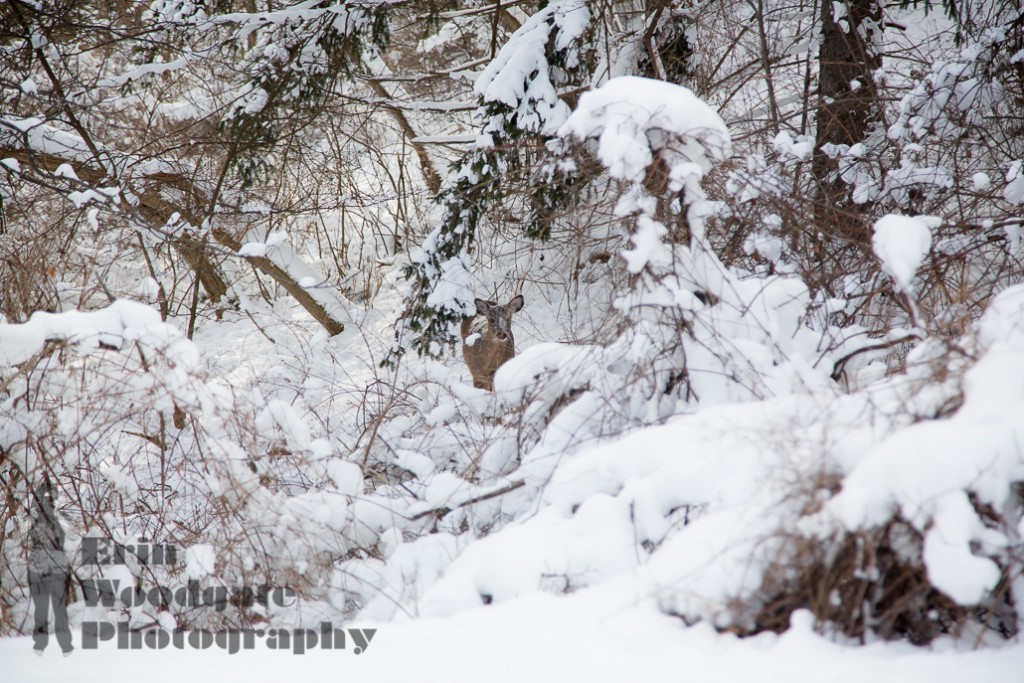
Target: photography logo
(49,573)
(49,581)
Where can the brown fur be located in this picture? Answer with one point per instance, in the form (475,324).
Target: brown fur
(495,344)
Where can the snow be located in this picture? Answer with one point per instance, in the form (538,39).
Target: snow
(627,112)
(44,138)
(926,469)
(257,249)
(1014,190)
(65,171)
(47,139)
(901,243)
(445,139)
(110,326)
(800,149)
(99,195)
(149,289)
(613,636)
(200,561)
(143,71)
(518,77)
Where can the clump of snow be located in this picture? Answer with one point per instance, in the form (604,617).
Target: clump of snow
(1014,190)
(110,326)
(347,477)
(901,243)
(200,561)
(149,289)
(253,249)
(799,149)
(632,118)
(260,248)
(100,195)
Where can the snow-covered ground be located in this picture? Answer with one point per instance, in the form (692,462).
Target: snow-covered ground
(598,635)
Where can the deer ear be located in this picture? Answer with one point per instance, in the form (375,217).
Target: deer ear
(481,306)
(516,304)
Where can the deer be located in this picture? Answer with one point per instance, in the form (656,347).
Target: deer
(487,340)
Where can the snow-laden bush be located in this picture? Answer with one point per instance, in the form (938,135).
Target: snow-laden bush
(687,320)
(113,406)
(893,510)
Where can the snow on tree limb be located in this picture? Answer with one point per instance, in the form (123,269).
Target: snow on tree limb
(635,118)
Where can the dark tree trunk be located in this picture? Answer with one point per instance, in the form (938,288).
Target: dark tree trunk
(847,107)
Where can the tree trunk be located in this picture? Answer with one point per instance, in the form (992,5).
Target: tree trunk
(847,107)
